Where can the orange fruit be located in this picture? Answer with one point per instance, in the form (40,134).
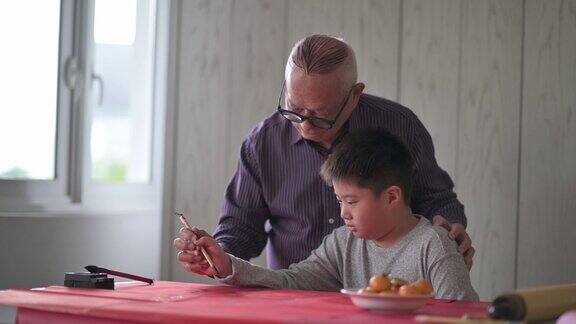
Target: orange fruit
(380,283)
(423,285)
(408,290)
(366,291)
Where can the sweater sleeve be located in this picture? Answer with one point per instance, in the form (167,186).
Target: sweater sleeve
(446,269)
(318,272)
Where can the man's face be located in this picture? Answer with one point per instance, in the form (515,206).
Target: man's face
(319,96)
(365,214)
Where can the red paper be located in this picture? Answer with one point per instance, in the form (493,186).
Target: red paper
(173,302)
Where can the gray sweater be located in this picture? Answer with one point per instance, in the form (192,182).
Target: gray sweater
(345,261)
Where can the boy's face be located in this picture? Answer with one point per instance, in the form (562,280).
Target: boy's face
(365,214)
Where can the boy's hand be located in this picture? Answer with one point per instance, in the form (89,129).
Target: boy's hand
(458,232)
(188,244)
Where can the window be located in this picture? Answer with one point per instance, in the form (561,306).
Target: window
(124,67)
(29,154)
(82,107)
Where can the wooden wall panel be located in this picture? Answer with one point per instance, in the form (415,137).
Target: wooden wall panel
(488,123)
(457,64)
(429,71)
(548,177)
(202,116)
(371,27)
(258,44)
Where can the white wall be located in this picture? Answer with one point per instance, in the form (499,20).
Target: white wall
(37,251)
(546,226)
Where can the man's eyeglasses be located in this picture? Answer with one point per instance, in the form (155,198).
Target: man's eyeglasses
(315,121)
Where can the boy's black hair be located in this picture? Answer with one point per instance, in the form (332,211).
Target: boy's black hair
(372,158)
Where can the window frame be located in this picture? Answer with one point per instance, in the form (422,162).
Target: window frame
(30,194)
(72,189)
(110,195)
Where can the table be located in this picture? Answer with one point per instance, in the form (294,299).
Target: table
(178,302)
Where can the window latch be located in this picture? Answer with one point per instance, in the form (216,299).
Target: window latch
(97,78)
(71,72)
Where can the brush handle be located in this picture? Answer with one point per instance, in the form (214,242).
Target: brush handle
(127,275)
(95,269)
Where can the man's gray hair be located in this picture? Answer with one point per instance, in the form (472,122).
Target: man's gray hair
(322,54)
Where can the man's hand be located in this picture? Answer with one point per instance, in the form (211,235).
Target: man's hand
(458,232)
(188,244)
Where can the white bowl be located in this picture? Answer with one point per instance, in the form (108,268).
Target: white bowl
(395,303)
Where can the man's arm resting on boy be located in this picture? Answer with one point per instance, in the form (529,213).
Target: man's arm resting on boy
(433,194)
(459,234)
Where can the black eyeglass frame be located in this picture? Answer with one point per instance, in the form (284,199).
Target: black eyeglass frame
(314,121)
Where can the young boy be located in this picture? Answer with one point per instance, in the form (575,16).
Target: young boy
(371,172)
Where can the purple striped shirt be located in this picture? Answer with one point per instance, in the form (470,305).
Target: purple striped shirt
(277,196)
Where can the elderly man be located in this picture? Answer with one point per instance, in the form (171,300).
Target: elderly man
(277,196)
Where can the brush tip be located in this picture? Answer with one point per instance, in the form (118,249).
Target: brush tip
(92,268)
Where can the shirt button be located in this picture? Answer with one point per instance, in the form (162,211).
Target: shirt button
(330,220)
